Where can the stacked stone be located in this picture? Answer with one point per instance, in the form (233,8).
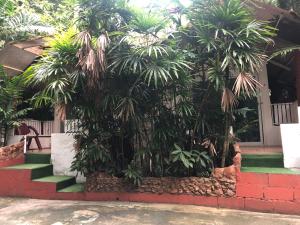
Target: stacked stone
(222,183)
(101,182)
(11,152)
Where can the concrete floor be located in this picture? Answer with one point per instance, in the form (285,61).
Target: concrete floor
(35,212)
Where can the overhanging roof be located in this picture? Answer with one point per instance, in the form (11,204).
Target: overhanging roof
(286,21)
(16,57)
(268,12)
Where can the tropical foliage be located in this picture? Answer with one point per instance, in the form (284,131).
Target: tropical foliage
(229,43)
(16,23)
(155,91)
(10,95)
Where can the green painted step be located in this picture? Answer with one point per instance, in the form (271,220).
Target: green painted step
(73,188)
(27,166)
(269,170)
(37,170)
(61,181)
(38,158)
(271,161)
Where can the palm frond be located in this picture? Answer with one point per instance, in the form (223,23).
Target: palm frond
(246,83)
(285,51)
(229,100)
(126,109)
(102,43)
(146,22)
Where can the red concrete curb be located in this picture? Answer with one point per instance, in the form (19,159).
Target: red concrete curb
(13,162)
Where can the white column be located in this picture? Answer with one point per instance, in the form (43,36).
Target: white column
(271,133)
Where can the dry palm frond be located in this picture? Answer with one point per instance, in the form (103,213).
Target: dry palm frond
(246,83)
(126,109)
(102,43)
(92,66)
(207,143)
(88,58)
(228,100)
(84,39)
(91,61)
(81,55)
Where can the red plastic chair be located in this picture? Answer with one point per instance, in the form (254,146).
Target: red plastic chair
(24,129)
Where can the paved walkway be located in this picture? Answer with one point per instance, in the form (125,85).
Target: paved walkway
(36,212)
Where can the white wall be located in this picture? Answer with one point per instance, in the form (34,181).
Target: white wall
(290,134)
(62,155)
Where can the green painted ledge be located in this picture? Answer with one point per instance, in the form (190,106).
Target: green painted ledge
(53,179)
(269,170)
(27,166)
(262,156)
(73,189)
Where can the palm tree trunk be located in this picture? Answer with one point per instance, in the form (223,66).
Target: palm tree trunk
(227,125)
(226,141)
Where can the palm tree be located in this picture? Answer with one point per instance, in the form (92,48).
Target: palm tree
(126,81)
(133,78)
(229,44)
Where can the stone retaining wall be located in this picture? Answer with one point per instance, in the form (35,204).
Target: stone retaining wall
(222,183)
(11,152)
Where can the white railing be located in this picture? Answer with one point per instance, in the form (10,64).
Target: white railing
(44,128)
(284,113)
(71,126)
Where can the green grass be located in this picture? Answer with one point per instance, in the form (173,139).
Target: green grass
(269,170)
(73,188)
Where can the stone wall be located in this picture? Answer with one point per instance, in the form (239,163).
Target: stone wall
(10,152)
(222,183)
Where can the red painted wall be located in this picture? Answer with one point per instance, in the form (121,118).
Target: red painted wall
(12,162)
(255,192)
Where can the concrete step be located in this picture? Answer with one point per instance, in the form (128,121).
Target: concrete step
(75,188)
(38,158)
(37,170)
(60,181)
(259,160)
